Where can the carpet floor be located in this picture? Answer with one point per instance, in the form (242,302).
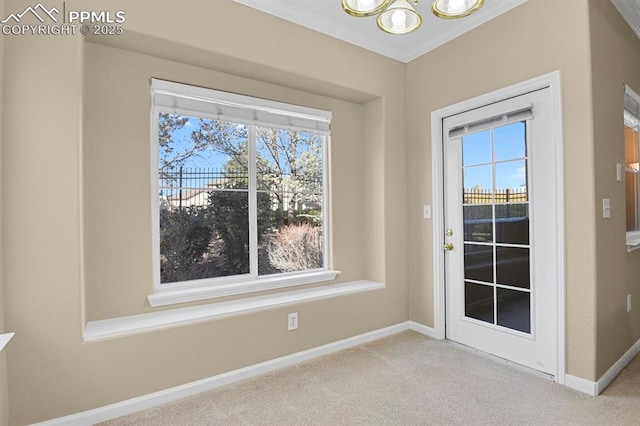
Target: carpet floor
(405,379)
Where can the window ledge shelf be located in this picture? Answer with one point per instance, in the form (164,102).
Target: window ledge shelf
(193,294)
(633,246)
(633,241)
(135,324)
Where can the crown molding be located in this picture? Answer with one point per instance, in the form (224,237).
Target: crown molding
(401,48)
(301,16)
(630,11)
(489,12)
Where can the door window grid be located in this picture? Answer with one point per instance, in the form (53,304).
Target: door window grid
(477,198)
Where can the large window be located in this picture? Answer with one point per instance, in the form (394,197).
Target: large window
(632,168)
(240,190)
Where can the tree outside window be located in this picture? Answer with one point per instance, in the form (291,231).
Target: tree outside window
(219,179)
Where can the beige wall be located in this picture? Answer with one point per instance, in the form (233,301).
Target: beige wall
(64,265)
(53,266)
(615,58)
(524,43)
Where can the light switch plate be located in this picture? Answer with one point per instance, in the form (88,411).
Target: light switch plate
(426,212)
(606,208)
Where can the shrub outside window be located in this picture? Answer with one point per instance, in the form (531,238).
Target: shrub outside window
(240,189)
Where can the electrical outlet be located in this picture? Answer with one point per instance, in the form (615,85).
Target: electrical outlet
(292,321)
(628,303)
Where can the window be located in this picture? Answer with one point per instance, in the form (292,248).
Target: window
(632,168)
(240,192)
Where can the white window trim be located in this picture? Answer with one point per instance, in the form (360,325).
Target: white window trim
(632,237)
(303,118)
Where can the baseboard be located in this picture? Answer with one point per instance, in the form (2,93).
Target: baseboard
(596,388)
(616,368)
(423,329)
(581,385)
(144,402)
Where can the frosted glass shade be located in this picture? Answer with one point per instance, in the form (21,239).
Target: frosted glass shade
(399,18)
(364,7)
(451,9)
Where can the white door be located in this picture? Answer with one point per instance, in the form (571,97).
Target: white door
(500,220)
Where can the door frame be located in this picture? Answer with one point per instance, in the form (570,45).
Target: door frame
(551,81)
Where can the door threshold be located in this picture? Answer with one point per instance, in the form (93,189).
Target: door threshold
(520,367)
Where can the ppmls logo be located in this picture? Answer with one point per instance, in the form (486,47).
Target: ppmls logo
(102,22)
(33,11)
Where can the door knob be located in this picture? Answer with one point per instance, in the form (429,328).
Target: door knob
(448,246)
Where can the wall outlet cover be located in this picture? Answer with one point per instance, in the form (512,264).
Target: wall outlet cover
(292,321)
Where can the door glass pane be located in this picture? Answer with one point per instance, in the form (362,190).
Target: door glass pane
(478,263)
(478,223)
(512,223)
(512,266)
(478,301)
(514,309)
(509,142)
(476,148)
(511,181)
(478,185)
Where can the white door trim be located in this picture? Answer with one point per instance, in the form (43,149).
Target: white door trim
(552,81)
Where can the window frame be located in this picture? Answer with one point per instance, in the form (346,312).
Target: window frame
(633,237)
(248,112)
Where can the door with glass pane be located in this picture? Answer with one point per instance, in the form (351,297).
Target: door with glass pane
(499,221)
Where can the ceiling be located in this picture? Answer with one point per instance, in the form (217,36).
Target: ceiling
(630,11)
(327,16)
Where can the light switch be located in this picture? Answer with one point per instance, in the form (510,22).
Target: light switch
(619,172)
(606,208)
(426,212)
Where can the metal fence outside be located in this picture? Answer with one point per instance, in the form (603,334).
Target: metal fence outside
(487,196)
(192,186)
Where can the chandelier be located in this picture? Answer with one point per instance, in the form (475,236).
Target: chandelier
(400,16)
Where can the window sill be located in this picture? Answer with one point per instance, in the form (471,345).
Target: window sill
(135,324)
(633,247)
(183,295)
(633,241)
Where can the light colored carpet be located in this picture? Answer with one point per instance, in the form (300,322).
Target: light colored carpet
(405,379)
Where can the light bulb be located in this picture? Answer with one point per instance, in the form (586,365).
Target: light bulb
(364,4)
(452,9)
(398,19)
(456,6)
